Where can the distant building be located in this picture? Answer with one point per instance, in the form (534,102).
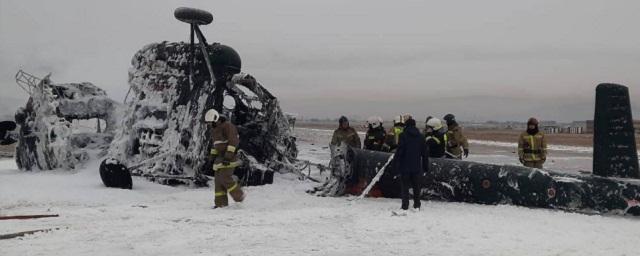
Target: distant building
(574,129)
(582,124)
(589,127)
(548,123)
(551,129)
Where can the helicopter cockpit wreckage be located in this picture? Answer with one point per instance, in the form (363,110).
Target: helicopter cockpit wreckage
(159,133)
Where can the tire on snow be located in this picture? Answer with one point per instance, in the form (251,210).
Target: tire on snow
(5,127)
(193,16)
(115,174)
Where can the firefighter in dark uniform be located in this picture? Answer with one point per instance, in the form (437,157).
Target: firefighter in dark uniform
(436,137)
(374,139)
(225,146)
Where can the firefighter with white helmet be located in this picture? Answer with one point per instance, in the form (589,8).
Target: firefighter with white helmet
(374,139)
(436,137)
(405,117)
(225,140)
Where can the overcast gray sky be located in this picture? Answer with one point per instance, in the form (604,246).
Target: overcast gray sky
(481,60)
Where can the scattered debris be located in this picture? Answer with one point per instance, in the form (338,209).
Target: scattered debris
(24,233)
(25,217)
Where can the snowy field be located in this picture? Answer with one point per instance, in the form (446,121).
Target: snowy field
(281,219)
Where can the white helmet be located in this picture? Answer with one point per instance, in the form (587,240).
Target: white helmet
(406,117)
(398,120)
(434,123)
(374,121)
(211,116)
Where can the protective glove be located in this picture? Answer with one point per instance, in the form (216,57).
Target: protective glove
(466,152)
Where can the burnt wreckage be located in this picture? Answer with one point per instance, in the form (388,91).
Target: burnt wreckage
(164,136)
(159,132)
(61,124)
(613,188)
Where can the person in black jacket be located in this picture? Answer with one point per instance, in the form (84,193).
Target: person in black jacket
(411,160)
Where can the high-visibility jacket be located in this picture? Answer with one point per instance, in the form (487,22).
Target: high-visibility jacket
(225,146)
(393,137)
(532,147)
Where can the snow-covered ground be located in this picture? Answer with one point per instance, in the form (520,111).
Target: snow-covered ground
(281,219)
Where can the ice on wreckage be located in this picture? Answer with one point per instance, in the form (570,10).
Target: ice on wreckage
(164,119)
(161,120)
(48,134)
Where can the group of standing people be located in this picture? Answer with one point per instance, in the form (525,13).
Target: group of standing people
(412,148)
(443,139)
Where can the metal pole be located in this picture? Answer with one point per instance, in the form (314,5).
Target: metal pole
(205,53)
(192,60)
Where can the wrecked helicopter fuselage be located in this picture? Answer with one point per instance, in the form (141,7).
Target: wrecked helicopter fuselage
(472,182)
(163,135)
(159,132)
(62,124)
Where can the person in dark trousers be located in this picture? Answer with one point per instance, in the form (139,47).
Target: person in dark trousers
(411,160)
(224,141)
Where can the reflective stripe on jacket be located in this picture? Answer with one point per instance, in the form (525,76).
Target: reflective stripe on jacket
(532,147)
(225,145)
